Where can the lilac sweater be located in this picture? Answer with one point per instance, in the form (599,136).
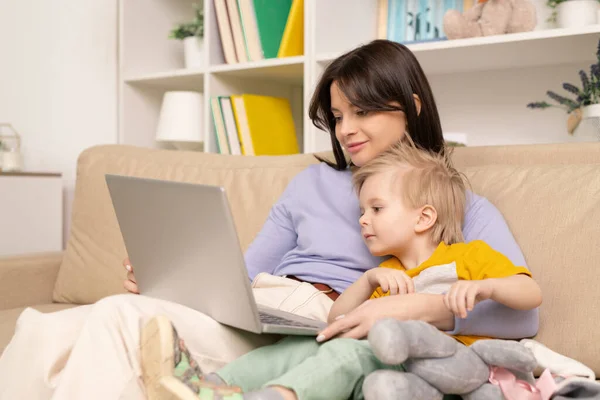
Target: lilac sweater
(312,232)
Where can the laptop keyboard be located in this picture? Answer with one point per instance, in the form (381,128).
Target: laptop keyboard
(275,320)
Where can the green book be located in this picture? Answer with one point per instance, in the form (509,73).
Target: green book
(271,18)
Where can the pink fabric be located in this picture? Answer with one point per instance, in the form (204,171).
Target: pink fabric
(514,389)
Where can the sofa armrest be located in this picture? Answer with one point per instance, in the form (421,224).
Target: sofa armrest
(28,280)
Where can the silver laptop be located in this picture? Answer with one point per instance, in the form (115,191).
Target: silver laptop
(181,240)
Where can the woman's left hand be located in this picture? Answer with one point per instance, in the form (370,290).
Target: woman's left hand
(415,306)
(358,322)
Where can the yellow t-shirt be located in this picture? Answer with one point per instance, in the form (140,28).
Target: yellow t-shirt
(448,264)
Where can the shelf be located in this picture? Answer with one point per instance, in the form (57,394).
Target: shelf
(181,79)
(518,50)
(288,70)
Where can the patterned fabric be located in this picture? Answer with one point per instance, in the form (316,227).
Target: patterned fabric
(187,371)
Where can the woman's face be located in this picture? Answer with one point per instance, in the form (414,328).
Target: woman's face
(364,134)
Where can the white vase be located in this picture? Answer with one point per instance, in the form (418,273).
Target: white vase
(193,52)
(591,116)
(576,13)
(592,111)
(12,161)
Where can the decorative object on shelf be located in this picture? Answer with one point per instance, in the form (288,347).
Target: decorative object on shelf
(411,21)
(192,35)
(586,105)
(11,159)
(181,120)
(491,17)
(574,13)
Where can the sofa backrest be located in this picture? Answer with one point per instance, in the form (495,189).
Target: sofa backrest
(549,195)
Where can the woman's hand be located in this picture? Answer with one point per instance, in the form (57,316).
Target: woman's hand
(416,306)
(130,284)
(390,280)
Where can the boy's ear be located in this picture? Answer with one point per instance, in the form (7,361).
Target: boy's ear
(427,218)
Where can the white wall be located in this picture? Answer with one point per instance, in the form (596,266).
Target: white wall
(58,80)
(490,106)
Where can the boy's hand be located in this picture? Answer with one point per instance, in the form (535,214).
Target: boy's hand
(392,280)
(463,295)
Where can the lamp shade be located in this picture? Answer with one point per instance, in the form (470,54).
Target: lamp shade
(181,120)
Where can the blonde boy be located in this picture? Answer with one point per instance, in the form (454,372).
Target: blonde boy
(412,206)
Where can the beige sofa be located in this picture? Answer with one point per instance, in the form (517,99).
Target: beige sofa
(549,194)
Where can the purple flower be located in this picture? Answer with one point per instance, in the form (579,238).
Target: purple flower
(595,71)
(539,104)
(584,80)
(562,100)
(571,88)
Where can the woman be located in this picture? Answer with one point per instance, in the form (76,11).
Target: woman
(367,99)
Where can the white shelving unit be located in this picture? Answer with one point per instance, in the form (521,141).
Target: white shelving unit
(481,84)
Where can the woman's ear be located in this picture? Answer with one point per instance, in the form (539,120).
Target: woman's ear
(417,103)
(427,218)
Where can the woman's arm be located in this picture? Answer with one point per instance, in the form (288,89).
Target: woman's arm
(277,236)
(351,298)
(484,222)
(416,306)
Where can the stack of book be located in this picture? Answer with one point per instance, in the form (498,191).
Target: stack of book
(410,21)
(253,125)
(252,30)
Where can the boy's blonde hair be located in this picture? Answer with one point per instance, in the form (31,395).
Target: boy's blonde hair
(430,179)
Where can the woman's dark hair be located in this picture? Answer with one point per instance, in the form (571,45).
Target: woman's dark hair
(371,77)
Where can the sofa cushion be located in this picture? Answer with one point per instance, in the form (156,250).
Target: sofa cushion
(8,320)
(91,267)
(554,213)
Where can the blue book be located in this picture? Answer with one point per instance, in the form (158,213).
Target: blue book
(396,29)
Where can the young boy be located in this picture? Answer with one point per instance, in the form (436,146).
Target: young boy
(412,207)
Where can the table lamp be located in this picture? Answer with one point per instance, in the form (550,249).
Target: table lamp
(181,119)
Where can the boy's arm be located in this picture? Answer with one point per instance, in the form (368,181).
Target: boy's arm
(356,294)
(519,292)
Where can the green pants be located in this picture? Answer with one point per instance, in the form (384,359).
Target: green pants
(332,370)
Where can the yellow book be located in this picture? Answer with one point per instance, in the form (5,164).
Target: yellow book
(292,42)
(265,125)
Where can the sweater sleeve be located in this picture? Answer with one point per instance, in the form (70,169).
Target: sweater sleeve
(483,221)
(277,236)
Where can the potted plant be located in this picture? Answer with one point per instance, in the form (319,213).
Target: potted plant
(574,13)
(192,35)
(586,103)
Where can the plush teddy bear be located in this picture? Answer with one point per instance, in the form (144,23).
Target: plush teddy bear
(492,17)
(437,364)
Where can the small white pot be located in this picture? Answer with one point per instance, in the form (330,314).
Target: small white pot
(576,13)
(592,111)
(193,52)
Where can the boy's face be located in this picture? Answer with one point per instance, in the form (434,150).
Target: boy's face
(387,225)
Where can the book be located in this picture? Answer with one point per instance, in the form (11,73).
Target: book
(382,19)
(396,23)
(230,125)
(219,125)
(225,33)
(263,24)
(292,41)
(265,125)
(236,29)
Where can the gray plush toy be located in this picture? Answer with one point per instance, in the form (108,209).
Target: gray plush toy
(437,364)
